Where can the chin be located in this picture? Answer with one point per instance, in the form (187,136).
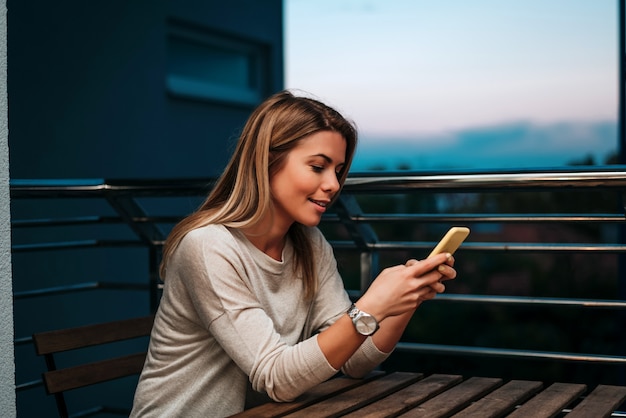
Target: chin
(310,222)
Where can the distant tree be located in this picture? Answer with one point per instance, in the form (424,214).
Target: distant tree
(377,167)
(613,159)
(586,160)
(403,167)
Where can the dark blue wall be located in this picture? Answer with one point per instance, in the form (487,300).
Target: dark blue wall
(87,87)
(88,98)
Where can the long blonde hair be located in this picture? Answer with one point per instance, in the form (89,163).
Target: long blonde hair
(241,196)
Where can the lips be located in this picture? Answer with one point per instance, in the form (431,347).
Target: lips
(322,203)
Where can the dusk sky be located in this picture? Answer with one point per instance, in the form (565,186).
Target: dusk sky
(421,68)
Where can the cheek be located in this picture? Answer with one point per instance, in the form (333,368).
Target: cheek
(282,186)
(292,182)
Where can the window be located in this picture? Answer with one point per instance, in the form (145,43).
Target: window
(210,66)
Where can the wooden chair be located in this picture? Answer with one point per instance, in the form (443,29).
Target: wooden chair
(57,381)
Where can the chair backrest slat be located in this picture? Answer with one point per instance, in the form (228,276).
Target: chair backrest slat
(91,373)
(58,380)
(89,335)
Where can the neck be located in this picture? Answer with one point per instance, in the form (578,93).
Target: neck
(268,239)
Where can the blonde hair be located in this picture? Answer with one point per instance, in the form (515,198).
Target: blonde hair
(241,196)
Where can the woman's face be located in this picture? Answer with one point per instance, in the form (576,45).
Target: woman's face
(308,180)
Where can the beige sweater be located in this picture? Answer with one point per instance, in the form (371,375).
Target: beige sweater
(230,314)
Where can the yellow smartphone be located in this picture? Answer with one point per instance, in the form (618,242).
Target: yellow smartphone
(451,241)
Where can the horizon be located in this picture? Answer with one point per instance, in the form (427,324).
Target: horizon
(504,146)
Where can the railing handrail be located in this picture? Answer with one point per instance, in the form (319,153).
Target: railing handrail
(584,177)
(607,177)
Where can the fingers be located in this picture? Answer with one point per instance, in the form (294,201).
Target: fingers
(428,296)
(411,262)
(443,264)
(447,272)
(438,287)
(432,278)
(399,286)
(430,263)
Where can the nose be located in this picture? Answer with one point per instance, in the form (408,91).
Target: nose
(331,182)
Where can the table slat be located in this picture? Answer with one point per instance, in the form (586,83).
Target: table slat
(358,397)
(454,399)
(501,401)
(551,401)
(407,398)
(600,403)
(404,394)
(322,391)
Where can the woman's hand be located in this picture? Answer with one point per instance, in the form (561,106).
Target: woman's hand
(391,299)
(401,289)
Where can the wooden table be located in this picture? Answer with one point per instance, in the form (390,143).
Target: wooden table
(402,394)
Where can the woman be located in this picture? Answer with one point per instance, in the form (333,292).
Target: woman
(252,295)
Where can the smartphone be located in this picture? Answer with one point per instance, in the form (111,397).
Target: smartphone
(451,241)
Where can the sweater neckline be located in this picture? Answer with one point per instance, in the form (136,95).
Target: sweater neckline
(263,259)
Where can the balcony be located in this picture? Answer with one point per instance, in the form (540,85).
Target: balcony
(540,294)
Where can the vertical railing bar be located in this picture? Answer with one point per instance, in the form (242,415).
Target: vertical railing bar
(363,235)
(621,120)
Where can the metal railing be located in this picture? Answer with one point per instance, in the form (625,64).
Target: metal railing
(610,180)
(128,199)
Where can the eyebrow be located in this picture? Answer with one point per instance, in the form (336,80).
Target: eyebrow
(327,158)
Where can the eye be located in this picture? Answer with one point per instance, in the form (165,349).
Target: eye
(317,168)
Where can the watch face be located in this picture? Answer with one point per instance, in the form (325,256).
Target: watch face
(366,325)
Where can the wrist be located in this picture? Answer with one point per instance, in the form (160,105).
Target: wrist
(366,305)
(364,322)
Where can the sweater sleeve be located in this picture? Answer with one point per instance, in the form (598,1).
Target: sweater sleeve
(215,280)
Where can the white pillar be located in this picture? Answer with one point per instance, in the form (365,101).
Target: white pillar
(7,357)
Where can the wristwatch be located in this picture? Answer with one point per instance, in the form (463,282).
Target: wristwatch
(364,323)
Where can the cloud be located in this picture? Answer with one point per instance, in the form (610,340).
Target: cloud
(513,145)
